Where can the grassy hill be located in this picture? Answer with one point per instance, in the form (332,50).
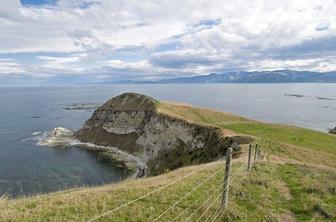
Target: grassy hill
(296,182)
(297,143)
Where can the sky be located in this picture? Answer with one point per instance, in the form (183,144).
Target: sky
(88,41)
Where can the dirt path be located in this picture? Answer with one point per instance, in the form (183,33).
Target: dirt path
(287,217)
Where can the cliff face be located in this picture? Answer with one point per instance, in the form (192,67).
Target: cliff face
(132,123)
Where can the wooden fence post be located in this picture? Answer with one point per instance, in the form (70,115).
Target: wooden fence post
(249,165)
(255,152)
(227,178)
(259,154)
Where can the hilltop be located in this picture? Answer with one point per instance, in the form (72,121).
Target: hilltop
(296,182)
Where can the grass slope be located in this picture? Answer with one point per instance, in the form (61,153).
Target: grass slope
(301,144)
(297,182)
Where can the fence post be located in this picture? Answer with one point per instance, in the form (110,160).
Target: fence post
(259,154)
(249,158)
(227,178)
(255,152)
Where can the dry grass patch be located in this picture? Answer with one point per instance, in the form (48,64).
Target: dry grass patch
(286,217)
(283,190)
(199,115)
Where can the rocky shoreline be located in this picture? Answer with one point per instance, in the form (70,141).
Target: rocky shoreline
(62,137)
(129,131)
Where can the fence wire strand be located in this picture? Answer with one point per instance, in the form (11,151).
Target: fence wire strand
(186,195)
(156,190)
(240,169)
(237,173)
(201,197)
(198,199)
(220,187)
(230,197)
(215,209)
(218,196)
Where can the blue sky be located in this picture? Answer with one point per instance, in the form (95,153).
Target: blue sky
(80,41)
(38,2)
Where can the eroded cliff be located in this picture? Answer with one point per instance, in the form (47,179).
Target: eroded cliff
(132,123)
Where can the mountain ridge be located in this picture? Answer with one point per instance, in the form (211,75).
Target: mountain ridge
(277,76)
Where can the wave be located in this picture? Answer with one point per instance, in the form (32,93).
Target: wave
(58,136)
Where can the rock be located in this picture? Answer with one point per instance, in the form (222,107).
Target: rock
(132,123)
(333,131)
(324,98)
(82,106)
(62,137)
(295,95)
(58,136)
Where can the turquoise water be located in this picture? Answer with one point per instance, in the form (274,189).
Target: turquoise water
(26,168)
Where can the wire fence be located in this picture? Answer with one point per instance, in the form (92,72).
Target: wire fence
(204,199)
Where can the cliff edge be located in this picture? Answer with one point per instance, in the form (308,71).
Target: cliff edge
(134,124)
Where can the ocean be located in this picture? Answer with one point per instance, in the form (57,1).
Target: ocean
(26,113)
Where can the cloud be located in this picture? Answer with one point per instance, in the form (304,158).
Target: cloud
(9,10)
(182,59)
(316,64)
(59,60)
(9,67)
(324,46)
(142,39)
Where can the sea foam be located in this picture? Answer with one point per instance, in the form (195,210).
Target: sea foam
(58,136)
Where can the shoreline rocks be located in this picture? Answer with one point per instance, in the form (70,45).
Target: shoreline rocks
(58,136)
(62,137)
(82,106)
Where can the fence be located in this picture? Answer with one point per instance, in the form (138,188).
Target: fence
(211,201)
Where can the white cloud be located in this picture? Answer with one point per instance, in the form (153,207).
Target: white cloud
(9,67)
(10,9)
(170,36)
(59,60)
(142,65)
(316,64)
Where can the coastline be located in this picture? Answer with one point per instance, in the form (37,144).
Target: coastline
(60,137)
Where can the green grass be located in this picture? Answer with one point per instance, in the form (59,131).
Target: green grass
(310,188)
(288,134)
(287,141)
(83,204)
(296,183)
(276,132)
(274,190)
(267,193)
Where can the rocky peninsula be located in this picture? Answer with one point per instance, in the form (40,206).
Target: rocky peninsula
(141,134)
(135,125)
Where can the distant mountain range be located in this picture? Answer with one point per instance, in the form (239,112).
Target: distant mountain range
(278,76)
